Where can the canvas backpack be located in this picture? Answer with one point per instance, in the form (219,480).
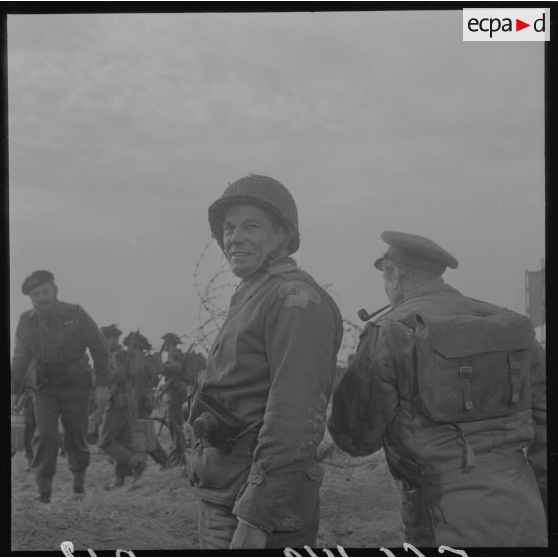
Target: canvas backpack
(472,368)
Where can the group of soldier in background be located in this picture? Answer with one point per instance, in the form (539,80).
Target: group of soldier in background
(131,384)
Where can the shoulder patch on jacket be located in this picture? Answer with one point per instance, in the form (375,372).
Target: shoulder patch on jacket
(298,294)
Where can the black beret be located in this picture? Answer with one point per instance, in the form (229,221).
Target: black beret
(171,338)
(36,278)
(111,331)
(415,251)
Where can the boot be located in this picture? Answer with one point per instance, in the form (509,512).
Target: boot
(44,497)
(118,483)
(79,482)
(137,465)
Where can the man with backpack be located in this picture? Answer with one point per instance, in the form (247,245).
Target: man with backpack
(454,391)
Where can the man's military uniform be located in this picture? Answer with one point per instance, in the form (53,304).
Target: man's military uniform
(61,382)
(175,392)
(271,367)
(120,415)
(462,484)
(143,374)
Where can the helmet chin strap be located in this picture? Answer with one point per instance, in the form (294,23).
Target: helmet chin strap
(281,251)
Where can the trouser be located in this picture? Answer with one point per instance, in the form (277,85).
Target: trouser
(496,505)
(175,424)
(72,405)
(159,455)
(116,435)
(217,524)
(30,425)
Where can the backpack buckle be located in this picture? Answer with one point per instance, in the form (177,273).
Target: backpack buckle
(465,374)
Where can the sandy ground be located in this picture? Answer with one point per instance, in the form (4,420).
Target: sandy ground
(360,508)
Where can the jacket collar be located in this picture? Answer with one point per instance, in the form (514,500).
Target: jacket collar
(282,265)
(434,286)
(58,310)
(277,267)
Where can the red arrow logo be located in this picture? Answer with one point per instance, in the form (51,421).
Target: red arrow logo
(519,25)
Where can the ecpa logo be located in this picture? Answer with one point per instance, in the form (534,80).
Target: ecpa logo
(526,24)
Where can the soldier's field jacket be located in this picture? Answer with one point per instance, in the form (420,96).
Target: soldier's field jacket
(272,366)
(374,406)
(61,341)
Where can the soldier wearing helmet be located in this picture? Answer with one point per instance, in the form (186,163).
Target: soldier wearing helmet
(120,413)
(258,415)
(453,390)
(173,390)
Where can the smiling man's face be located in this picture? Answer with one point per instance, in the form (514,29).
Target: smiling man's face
(44,297)
(249,236)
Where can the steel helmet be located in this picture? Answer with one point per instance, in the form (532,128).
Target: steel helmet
(171,338)
(264,192)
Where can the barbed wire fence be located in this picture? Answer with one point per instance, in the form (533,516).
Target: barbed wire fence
(215,284)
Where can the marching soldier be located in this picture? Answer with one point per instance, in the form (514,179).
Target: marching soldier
(175,391)
(453,389)
(142,372)
(56,335)
(120,414)
(259,411)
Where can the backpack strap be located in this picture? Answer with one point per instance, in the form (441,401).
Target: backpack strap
(465,381)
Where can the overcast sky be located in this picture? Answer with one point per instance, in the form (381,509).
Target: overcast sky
(124,128)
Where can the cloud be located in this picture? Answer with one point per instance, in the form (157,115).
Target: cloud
(125,127)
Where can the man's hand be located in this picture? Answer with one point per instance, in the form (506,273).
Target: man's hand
(247,536)
(13,401)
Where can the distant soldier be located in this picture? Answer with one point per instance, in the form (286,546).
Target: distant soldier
(120,414)
(453,389)
(56,335)
(260,408)
(143,376)
(175,391)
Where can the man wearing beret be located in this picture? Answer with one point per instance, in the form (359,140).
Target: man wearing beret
(453,389)
(55,335)
(258,415)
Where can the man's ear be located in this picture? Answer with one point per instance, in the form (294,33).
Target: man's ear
(396,276)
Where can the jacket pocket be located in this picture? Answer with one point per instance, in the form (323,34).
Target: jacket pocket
(280,501)
(209,469)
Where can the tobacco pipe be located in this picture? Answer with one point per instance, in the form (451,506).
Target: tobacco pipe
(365,316)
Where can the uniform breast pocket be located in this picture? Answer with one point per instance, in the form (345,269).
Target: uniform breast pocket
(71,334)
